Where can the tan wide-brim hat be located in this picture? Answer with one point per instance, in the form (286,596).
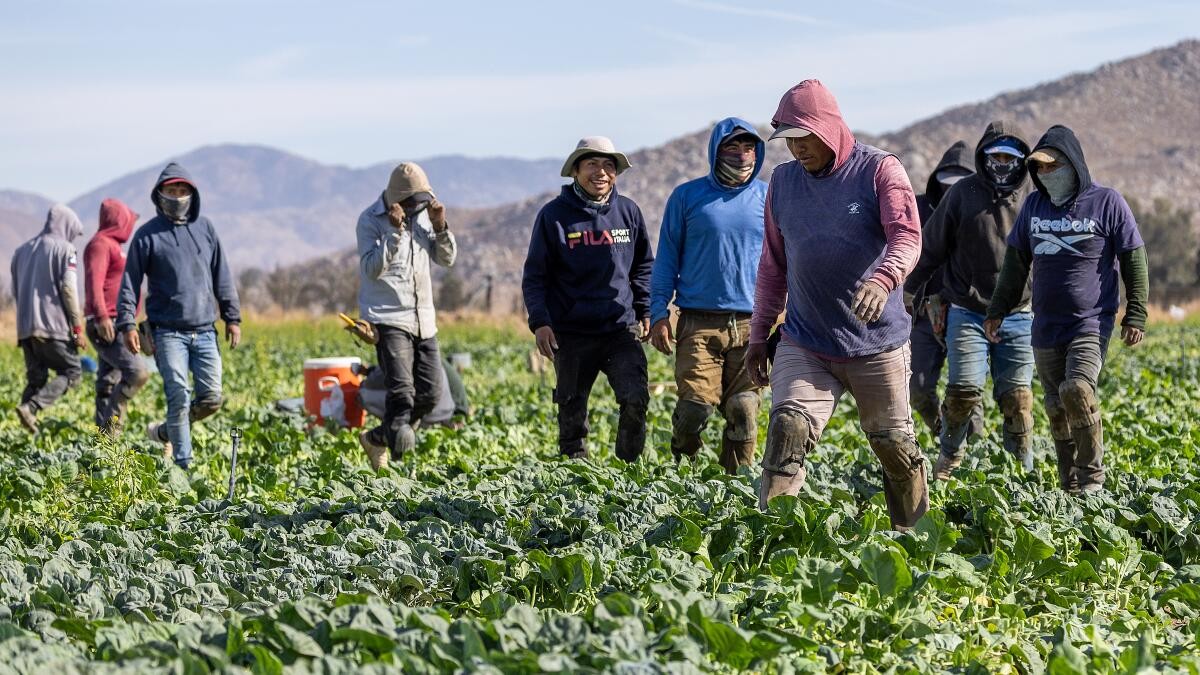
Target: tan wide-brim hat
(407,180)
(595,145)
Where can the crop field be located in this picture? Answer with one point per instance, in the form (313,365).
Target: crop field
(484,552)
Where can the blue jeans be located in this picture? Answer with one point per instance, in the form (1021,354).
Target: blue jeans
(971,357)
(176,353)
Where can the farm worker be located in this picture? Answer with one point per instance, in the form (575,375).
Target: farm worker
(964,242)
(120,373)
(1074,235)
(927,341)
(399,235)
(841,234)
(707,261)
(586,285)
(49,322)
(188,283)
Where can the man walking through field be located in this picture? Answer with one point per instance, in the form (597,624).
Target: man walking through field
(841,234)
(49,323)
(964,245)
(586,285)
(707,262)
(400,236)
(1074,235)
(121,373)
(179,256)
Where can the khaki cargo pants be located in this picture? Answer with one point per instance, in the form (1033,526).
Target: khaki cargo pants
(710,373)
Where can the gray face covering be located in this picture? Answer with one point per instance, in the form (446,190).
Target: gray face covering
(175,208)
(1061,184)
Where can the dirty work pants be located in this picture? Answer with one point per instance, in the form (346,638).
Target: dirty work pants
(119,376)
(1078,434)
(41,356)
(808,385)
(412,372)
(578,361)
(710,374)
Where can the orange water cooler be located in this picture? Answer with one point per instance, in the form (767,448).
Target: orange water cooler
(322,376)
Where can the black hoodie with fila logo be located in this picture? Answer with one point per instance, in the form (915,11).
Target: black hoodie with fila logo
(588,267)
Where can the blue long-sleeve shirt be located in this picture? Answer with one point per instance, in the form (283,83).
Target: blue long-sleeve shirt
(711,238)
(588,269)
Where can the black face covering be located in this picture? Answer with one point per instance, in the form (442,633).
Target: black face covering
(414,208)
(1003,174)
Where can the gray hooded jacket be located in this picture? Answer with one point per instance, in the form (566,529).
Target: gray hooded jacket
(44,279)
(395,288)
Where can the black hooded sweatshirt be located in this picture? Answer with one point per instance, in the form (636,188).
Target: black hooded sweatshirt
(957,156)
(188,277)
(964,240)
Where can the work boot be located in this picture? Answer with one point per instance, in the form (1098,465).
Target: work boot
(156,431)
(376,453)
(945,465)
(28,417)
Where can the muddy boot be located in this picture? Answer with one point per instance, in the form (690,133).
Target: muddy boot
(377,453)
(958,409)
(1087,431)
(789,439)
(904,485)
(687,423)
(741,431)
(1017,407)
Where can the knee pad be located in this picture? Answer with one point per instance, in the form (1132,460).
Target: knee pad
(1017,407)
(789,438)
(140,379)
(1079,400)
(960,402)
(741,416)
(690,416)
(898,453)
(1060,430)
(205,407)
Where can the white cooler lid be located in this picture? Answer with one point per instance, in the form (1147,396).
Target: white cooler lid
(332,362)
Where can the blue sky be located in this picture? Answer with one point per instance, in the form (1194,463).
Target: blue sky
(93,89)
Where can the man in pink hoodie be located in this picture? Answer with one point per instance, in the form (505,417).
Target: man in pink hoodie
(842,233)
(121,373)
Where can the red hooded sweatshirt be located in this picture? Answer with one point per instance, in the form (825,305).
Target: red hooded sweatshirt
(104,261)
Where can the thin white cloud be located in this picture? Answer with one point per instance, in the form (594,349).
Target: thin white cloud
(749,11)
(678,38)
(272,64)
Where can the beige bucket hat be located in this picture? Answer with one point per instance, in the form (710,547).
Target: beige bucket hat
(594,145)
(407,179)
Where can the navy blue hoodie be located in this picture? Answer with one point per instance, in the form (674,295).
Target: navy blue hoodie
(184,266)
(588,269)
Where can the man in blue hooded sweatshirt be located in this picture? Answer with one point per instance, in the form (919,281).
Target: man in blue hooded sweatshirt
(180,257)
(707,261)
